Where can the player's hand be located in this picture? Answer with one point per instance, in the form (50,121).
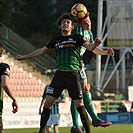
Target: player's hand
(97,41)
(14,106)
(110,52)
(19,57)
(85,87)
(40,112)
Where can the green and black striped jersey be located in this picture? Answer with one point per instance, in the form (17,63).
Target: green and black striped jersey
(55,107)
(68,49)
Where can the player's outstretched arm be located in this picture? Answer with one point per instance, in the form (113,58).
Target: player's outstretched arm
(33,54)
(100,51)
(92,46)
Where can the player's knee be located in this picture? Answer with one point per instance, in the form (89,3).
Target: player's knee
(82,113)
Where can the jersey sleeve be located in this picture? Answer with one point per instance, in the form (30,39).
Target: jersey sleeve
(45,91)
(81,39)
(51,43)
(5,69)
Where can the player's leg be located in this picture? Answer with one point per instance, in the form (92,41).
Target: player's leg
(96,121)
(56,129)
(56,122)
(46,112)
(86,95)
(90,121)
(1,125)
(74,114)
(55,89)
(49,125)
(75,92)
(49,129)
(89,106)
(83,114)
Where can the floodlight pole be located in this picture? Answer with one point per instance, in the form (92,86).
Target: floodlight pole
(99,31)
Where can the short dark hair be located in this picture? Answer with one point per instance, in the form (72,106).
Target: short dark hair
(87,15)
(64,16)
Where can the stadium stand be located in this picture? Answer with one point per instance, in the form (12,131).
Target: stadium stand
(27,77)
(23,83)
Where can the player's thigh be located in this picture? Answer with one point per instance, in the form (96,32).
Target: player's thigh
(55,119)
(73,85)
(57,86)
(49,122)
(74,88)
(49,101)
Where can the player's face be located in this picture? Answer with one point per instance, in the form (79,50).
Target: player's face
(66,25)
(86,23)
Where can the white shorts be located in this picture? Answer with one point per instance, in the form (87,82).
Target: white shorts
(53,120)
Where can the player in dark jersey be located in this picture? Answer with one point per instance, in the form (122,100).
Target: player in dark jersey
(4,85)
(68,48)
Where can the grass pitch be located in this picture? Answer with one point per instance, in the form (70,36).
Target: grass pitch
(112,129)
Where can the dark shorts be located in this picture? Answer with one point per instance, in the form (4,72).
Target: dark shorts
(66,80)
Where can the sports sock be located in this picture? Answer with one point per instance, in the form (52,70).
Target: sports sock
(44,117)
(89,107)
(84,118)
(74,114)
(51,131)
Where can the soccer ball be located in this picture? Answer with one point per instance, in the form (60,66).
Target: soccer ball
(78,11)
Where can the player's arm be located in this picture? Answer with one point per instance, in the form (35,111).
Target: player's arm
(41,105)
(100,51)
(60,101)
(83,80)
(91,46)
(6,86)
(62,98)
(33,54)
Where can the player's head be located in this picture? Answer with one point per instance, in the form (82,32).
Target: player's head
(65,22)
(1,49)
(85,22)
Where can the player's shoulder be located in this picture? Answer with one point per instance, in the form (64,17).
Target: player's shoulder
(89,31)
(57,37)
(76,35)
(4,65)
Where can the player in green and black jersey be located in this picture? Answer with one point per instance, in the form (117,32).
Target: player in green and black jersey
(68,48)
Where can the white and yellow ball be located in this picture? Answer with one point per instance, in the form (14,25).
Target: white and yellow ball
(79,11)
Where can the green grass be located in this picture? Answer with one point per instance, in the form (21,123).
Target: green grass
(111,129)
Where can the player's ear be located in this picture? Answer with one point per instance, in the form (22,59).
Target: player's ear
(72,27)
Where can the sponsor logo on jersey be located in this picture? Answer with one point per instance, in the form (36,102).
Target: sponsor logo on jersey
(50,90)
(68,43)
(7,71)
